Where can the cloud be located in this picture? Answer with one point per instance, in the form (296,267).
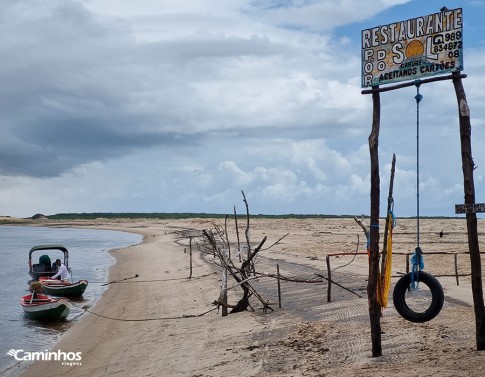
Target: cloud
(84,89)
(315,15)
(175,106)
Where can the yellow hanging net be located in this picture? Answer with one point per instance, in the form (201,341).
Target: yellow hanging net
(384,278)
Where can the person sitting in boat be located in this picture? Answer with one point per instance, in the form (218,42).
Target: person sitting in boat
(62,272)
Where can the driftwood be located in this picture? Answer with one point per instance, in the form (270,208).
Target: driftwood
(249,266)
(241,276)
(219,241)
(364,227)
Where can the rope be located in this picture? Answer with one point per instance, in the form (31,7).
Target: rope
(417,258)
(141,319)
(418,98)
(148,281)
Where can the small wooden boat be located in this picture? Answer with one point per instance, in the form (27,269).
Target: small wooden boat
(42,307)
(56,287)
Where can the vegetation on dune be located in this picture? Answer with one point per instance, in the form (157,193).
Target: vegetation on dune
(182,215)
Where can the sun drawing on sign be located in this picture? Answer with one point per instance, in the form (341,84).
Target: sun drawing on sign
(414,48)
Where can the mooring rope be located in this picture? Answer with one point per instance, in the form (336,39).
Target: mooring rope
(147,281)
(142,319)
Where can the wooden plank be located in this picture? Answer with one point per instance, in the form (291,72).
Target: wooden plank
(378,89)
(470,208)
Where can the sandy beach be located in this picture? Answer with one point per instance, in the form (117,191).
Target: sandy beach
(163,324)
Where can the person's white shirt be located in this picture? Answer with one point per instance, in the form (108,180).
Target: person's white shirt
(63,273)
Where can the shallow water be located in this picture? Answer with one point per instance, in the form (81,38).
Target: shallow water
(88,259)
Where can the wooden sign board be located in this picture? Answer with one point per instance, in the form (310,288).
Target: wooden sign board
(470,208)
(412,49)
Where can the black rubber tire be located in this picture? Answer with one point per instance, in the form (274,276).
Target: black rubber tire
(437,297)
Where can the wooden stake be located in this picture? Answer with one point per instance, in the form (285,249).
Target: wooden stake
(471,218)
(224,284)
(227,237)
(329,276)
(237,235)
(279,286)
(190,256)
(386,231)
(456,269)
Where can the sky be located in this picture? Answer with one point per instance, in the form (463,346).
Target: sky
(179,105)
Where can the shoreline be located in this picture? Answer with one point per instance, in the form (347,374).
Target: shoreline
(281,343)
(97,335)
(89,301)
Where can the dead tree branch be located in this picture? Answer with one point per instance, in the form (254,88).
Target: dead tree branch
(240,275)
(277,242)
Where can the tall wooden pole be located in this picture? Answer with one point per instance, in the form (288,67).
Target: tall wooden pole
(374,306)
(471,218)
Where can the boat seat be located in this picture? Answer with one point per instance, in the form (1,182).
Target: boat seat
(37,268)
(45,262)
(37,300)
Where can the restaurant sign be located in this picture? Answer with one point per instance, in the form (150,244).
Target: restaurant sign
(412,49)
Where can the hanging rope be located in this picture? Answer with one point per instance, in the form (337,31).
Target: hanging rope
(417,258)
(418,98)
(410,281)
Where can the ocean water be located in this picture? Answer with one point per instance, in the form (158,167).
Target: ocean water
(88,259)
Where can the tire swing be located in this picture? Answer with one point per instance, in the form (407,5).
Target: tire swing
(411,303)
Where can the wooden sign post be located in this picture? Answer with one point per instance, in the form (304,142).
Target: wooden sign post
(410,50)
(468,166)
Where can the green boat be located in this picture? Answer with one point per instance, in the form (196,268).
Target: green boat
(41,307)
(56,287)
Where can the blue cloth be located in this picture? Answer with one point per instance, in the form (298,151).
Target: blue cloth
(417,263)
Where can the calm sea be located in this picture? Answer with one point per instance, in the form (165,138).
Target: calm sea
(88,259)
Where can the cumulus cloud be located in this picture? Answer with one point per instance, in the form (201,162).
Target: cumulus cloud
(81,87)
(146,106)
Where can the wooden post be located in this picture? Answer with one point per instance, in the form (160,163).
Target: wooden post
(471,218)
(190,256)
(329,276)
(456,269)
(227,238)
(374,306)
(390,204)
(237,235)
(279,285)
(224,284)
